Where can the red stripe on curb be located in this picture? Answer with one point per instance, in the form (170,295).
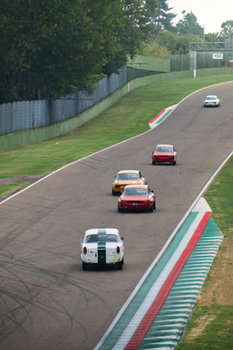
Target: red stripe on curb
(157,116)
(151,314)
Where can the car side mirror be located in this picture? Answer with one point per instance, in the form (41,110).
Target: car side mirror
(81,241)
(152,191)
(122,238)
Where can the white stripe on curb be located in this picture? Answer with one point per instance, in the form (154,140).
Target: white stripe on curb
(152,294)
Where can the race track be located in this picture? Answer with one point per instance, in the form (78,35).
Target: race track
(47,301)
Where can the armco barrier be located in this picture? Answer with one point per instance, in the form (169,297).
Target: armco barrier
(20,138)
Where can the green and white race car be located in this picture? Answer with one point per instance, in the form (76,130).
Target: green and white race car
(102,246)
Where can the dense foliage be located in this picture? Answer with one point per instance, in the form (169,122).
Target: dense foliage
(189,24)
(163,17)
(227,28)
(51,48)
(169,39)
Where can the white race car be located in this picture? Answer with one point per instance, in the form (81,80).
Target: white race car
(212,101)
(102,246)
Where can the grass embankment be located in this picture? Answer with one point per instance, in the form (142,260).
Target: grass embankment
(211,325)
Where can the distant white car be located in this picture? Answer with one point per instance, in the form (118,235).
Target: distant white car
(102,246)
(212,101)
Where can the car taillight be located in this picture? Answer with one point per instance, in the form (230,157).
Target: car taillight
(85,250)
(118,250)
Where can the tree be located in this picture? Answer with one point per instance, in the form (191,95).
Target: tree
(131,31)
(189,24)
(153,48)
(163,17)
(212,37)
(167,39)
(167,43)
(52,48)
(227,28)
(46,47)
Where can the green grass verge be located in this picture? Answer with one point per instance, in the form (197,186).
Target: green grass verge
(211,324)
(11,188)
(220,199)
(209,328)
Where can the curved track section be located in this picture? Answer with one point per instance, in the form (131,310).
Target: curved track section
(47,301)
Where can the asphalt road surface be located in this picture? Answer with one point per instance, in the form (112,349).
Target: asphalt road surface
(47,301)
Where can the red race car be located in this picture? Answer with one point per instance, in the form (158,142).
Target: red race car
(137,197)
(164,154)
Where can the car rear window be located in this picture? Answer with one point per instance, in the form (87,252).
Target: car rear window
(164,149)
(101,238)
(135,192)
(127,176)
(211,98)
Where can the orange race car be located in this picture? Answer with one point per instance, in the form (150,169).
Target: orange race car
(127,177)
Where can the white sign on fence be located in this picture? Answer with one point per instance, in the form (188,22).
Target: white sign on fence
(217,56)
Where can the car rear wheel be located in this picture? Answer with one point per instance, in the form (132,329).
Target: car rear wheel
(84,266)
(120,264)
(120,210)
(114,193)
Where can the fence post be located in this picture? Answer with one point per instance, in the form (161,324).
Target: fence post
(51,113)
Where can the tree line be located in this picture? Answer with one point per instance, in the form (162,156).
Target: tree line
(53,48)
(168,39)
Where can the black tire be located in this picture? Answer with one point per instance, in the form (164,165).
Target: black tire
(84,266)
(120,265)
(151,209)
(114,193)
(174,163)
(153,163)
(120,210)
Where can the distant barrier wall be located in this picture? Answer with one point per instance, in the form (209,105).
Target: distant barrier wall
(205,72)
(44,133)
(26,115)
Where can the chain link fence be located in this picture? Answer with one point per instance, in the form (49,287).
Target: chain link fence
(201,60)
(25,115)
